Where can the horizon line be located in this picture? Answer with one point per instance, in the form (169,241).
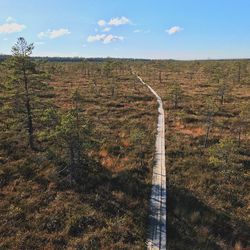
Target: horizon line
(138,58)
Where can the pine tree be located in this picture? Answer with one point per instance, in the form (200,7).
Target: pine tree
(69,135)
(241,123)
(223,153)
(25,87)
(138,137)
(223,89)
(210,111)
(175,93)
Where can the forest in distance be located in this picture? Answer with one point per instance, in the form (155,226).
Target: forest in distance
(77,150)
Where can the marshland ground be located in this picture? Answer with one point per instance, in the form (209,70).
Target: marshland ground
(103,202)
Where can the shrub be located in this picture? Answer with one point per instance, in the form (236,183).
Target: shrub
(16,213)
(78,224)
(5,176)
(54,223)
(26,171)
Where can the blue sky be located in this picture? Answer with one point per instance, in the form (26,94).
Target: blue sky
(177,29)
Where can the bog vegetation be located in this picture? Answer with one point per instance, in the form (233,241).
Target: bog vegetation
(77,148)
(77,151)
(208,150)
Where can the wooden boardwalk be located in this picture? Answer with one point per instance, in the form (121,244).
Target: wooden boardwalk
(157,227)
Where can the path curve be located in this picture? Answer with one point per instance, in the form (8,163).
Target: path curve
(157,225)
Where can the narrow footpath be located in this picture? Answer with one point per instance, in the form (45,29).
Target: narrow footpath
(157,227)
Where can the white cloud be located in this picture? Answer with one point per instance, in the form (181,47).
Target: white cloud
(119,21)
(104,38)
(11,27)
(137,31)
(54,33)
(95,38)
(111,38)
(106,26)
(9,19)
(107,29)
(102,23)
(42,34)
(59,32)
(174,30)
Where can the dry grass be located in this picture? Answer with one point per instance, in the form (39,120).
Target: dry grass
(208,208)
(108,209)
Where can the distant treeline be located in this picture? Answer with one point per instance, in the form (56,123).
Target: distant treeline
(3,57)
(76,59)
(80,59)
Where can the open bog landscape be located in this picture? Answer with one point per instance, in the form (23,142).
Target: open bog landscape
(116,135)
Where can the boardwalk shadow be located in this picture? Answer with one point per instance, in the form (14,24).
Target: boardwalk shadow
(190,221)
(157,218)
(119,197)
